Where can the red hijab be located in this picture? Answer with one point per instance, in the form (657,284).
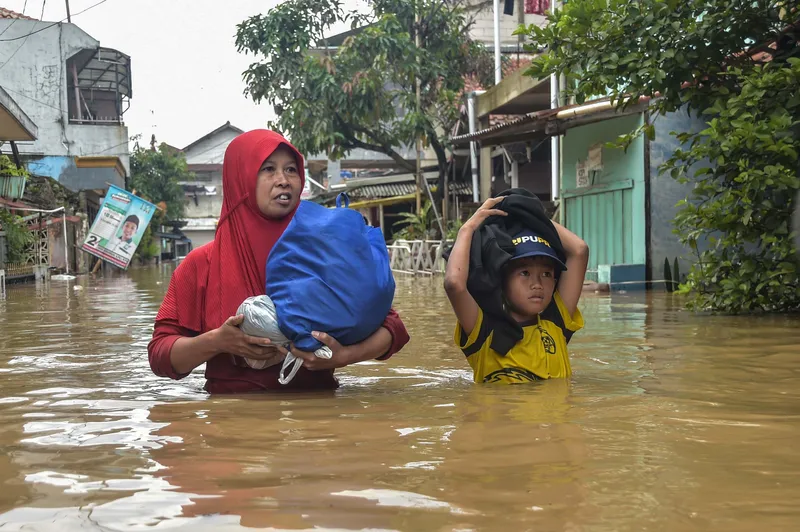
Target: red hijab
(208,292)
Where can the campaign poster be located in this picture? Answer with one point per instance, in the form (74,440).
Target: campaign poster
(118,228)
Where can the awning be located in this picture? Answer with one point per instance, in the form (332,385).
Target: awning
(384,202)
(15,125)
(171,236)
(401,189)
(551,122)
(104,69)
(462,189)
(528,127)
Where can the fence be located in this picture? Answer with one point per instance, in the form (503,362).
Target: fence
(418,257)
(17,270)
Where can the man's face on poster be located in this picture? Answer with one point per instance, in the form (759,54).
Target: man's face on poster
(128,230)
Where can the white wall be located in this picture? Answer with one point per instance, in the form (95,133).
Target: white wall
(34,73)
(207,206)
(208,151)
(199,238)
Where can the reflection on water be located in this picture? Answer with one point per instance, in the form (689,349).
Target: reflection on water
(671,422)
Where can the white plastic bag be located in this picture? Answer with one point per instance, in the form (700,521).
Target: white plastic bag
(261,319)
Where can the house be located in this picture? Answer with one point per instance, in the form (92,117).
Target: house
(613,199)
(204,158)
(15,127)
(383,200)
(76,92)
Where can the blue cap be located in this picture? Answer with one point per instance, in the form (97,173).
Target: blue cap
(529,244)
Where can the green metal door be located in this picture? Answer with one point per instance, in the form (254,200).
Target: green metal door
(604,217)
(608,212)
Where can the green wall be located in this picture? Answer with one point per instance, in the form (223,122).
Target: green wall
(609,214)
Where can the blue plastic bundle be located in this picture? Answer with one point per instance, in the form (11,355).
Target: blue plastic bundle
(329,272)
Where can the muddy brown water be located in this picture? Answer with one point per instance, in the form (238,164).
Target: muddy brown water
(670,422)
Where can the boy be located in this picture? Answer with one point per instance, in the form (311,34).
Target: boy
(540,293)
(124,243)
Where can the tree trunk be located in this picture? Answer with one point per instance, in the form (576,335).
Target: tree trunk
(441,158)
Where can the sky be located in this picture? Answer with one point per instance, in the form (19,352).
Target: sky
(187,74)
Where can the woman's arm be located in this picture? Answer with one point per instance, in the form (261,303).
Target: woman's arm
(382,344)
(175,351)
(165,334)
(188,353)
(399,336)
(570,283)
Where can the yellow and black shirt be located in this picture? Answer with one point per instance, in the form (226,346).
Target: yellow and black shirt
(541,354)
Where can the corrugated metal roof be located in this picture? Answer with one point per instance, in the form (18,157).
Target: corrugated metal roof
(538,122)
(524,119)
(391,190)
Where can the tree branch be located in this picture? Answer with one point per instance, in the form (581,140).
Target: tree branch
(354,142)
(441,157)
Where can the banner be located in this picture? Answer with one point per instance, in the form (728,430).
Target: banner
(118,227)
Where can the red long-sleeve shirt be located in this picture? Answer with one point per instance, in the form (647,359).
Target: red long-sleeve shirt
(234,378)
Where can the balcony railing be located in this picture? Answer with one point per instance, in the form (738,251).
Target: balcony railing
(97,120)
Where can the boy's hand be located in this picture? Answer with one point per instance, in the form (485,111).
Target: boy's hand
(486,210)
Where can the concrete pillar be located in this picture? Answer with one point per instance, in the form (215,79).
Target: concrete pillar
(82,259)
(40,272)
(486,166)
(515,174)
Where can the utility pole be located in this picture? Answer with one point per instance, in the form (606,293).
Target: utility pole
(69,18)
(498,64)
(419,107)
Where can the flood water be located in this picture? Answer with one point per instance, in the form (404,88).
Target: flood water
(670,422)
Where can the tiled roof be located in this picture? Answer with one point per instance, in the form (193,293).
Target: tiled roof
(499,120)
(7,13)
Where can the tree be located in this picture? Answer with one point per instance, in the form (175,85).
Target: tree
(17,235)
(155,176)
(734,62)
(361,94)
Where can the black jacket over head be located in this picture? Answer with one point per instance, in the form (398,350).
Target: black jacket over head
(492,249)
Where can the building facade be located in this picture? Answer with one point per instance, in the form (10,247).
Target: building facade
(204,158)
(76,92)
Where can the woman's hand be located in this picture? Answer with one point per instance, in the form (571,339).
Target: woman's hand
(229,338)
(342,355)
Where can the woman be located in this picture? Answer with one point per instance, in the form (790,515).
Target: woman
(262,179)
